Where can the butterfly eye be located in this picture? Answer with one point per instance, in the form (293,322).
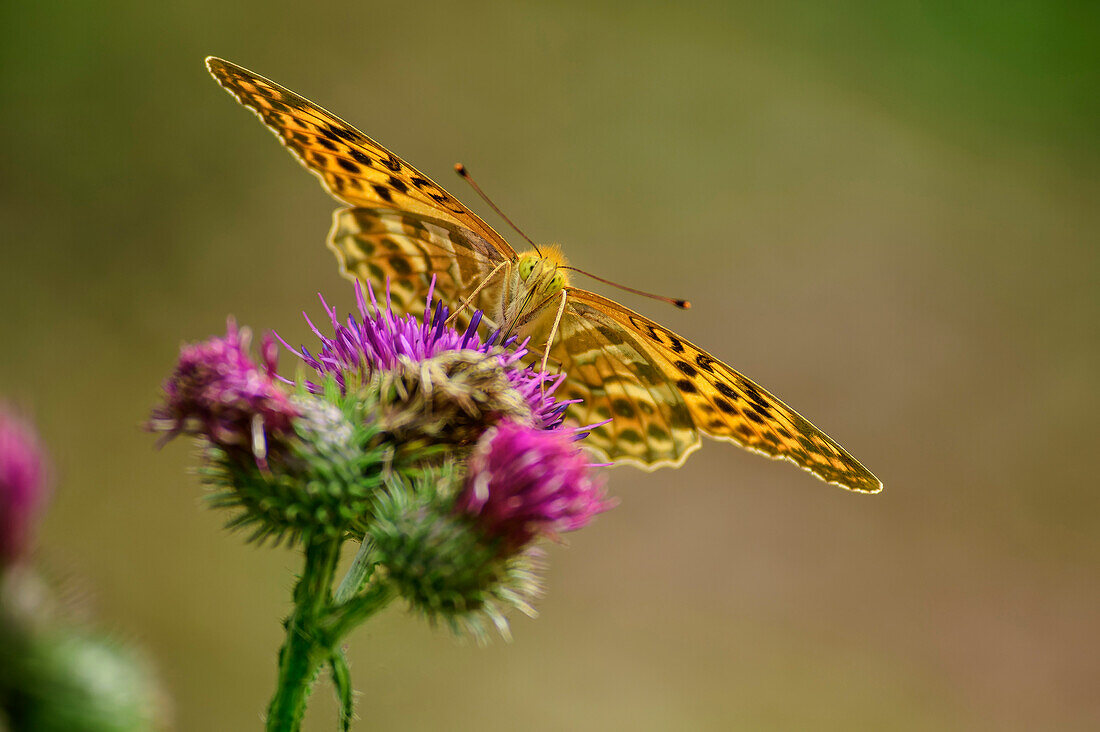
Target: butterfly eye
(557,283)
(525,268)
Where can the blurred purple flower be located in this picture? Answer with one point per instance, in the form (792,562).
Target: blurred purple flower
(524,482)
(23,486)
(380,340)
(218,392)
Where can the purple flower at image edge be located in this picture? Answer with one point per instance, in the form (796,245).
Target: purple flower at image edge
(378,340)
(217,391)
(23,485)
(524,483)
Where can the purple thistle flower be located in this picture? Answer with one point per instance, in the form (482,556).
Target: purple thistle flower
(23,486)
(218,392)
(380,341)
(524,482)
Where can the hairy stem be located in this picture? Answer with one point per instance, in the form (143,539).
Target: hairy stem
(343,618)
(305,647)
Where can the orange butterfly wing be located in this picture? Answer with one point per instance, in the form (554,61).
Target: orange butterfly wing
(352,167)
(719,401)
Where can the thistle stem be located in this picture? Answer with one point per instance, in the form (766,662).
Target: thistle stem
(317,624)
(305,647)
(343,618)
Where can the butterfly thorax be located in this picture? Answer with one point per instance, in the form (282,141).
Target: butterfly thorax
(531,293)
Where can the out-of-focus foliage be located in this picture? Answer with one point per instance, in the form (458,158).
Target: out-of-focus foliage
(883,211)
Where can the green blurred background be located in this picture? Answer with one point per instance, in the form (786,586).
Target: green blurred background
(885,212)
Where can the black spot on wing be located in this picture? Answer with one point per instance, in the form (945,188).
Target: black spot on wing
(622,408)
(345,134)
(645,329)
(754,393)
(657,433)
(685,368)
(400,265)
(383,192)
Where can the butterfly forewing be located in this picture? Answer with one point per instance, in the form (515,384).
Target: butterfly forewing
(353,168)
(725,404)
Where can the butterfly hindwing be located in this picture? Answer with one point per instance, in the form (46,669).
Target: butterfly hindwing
(725,404)
(404,250)
(353,168)
(607,368)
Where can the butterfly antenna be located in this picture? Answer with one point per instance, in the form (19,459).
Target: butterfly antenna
(465,175)
(682,304)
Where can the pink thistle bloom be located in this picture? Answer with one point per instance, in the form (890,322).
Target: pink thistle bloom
(23,485)
(524,483)
(218,392)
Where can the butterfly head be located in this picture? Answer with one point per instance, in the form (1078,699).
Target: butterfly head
(535,283)
(542,276)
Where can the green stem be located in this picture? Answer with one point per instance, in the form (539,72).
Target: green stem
(305,648)
(317,624)
(343,618)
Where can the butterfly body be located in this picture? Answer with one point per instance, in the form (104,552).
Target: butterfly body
(403,231)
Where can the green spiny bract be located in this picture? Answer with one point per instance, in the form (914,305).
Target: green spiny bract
(441,563)
(322,481)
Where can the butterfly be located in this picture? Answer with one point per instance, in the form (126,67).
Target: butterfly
(658,390)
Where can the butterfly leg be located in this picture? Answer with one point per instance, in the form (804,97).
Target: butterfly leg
(553,335)
(466,303)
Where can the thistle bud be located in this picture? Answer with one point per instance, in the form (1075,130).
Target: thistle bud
(525,482)
(66,679)
(23,488)
(443,565)
(217,392)
(322,480)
